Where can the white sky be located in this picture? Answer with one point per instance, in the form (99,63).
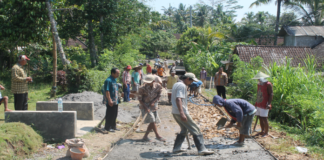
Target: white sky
(271,8)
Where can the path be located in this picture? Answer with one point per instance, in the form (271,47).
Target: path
(133,148)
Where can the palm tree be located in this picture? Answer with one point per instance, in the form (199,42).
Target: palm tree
(201,15)
(168,11)
(249,19)
(260,2)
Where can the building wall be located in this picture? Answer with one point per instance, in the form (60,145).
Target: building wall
(289,41)
(308,41)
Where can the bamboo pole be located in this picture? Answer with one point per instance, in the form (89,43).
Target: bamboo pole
(54,68)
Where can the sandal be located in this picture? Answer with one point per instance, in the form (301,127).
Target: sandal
(161,139)
(146,140)
(258,134)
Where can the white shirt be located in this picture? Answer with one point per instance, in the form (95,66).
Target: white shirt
(179,90)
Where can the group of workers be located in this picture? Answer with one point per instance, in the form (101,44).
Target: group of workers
(149,93)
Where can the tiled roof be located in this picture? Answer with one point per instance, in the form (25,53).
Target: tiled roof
(271,54)
(268,41)
(302,31)
(77,42)
(318,51)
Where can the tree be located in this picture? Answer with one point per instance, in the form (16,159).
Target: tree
(168,11)
(201,15)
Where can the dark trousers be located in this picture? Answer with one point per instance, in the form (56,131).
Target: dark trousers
(111,116)
(20,101)
(221,91)
(126,91)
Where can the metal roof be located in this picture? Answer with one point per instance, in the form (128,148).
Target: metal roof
(271,54)
(302,31)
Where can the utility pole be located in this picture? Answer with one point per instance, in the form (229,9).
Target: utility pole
(190,17)
(54,68)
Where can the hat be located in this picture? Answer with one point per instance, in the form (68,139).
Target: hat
(137,67)
(149,79)
(260,75)
(173,71)
(192,76)
(129,67)
(23,57)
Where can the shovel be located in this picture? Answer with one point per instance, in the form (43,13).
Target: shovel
(221,123)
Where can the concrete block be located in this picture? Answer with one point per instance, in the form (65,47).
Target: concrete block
(50,125)
(85,110)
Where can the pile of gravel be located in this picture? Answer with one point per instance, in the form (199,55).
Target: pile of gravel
(125,114)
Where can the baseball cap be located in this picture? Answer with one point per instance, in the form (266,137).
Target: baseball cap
(23,57)
(192,76)
(149,79)
(129,67)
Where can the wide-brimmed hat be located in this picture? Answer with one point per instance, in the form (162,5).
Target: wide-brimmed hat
(192,76)
(260,75)
(149,79)
(137,67)
(129,67)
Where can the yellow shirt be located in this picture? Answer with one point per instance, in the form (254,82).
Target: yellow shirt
(172,81)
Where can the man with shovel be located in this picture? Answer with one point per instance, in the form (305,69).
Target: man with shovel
(263,102)
(241,112)
(181,115)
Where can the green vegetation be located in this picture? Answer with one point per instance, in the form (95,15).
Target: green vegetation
(18,139)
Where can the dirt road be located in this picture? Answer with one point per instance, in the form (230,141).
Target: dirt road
(133,148)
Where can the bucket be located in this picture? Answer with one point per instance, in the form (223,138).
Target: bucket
(77,153)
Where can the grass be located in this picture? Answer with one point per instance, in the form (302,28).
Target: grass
(36,92)
(18,140)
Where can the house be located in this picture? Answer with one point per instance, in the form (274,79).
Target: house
(271,54)
(76,42)
(309,36)
(269,40)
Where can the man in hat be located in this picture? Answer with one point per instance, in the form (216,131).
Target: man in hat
(111,97)
(126,83)
(241,112)
(195,87)
(203,76)
(19,83)
(221,81)
(170,82)
(263,102)
(181,115)
(148,97)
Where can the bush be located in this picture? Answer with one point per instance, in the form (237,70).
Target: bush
(77,77)
(96,79)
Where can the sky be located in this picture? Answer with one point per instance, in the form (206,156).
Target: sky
(157,5)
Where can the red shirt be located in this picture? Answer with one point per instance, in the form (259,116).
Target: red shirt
(262,95)
(148,69)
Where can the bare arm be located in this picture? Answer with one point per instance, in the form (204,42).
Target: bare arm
(270,93)
(179,105)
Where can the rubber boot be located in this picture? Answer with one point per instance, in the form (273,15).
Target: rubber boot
(177,144)
(199,142)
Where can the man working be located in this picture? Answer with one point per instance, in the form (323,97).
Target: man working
(263,102)
(195,87)
(221,81)
(181,115)
(170,82)
(148,97)
(203,76)
(111,91)
(19,83)
(126,83)
(241,112)
(4,100)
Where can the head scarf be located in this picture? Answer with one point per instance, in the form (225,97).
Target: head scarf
(218,100)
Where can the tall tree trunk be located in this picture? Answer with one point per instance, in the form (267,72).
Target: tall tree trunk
(55,33)
(92,46)
(101,33)
(54,68)
(277,22)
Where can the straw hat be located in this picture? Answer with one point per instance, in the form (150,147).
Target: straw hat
(137,67)
(149,79)
(260,75)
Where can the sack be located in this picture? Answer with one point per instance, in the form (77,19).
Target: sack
(76,143)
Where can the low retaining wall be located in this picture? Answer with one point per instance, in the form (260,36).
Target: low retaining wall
(84,109)
(50,125)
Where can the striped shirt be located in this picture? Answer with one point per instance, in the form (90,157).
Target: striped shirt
(19,84)
(126,77)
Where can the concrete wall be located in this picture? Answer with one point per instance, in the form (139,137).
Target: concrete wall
(309,41)
(289,41)
(85,110)
(50,125)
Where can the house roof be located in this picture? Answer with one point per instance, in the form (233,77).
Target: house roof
(271,54)
(302,31)
(77,42)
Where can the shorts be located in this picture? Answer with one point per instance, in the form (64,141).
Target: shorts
(152,117)
(246,124)
(262,112)
(135,87)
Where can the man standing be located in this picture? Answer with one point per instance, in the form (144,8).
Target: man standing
(220,82)
(173,68)
(19,83)
(111,91)
(203,76)
(148,97)
(136,79)
(126,83)
(170,82)
(160,71)
(241,112)
(181,115)
(263,102)
(4,100)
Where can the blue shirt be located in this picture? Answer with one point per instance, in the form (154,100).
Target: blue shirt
(136,77)
(196,84)
(111,86)
(237,108)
